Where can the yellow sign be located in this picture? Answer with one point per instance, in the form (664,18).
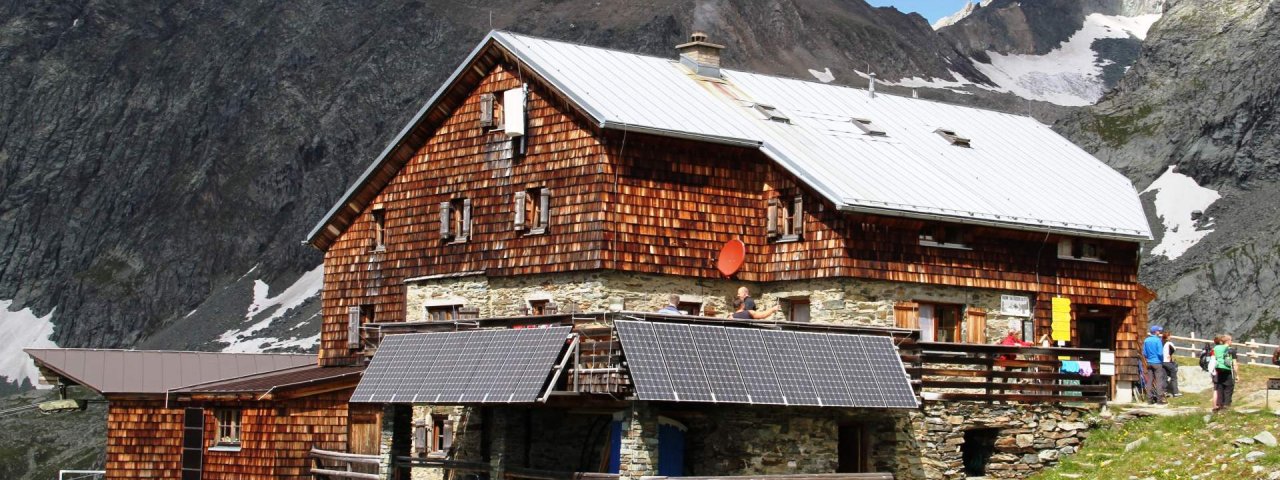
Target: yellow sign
(1061,326)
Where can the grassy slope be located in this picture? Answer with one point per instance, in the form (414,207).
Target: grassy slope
(1182,446)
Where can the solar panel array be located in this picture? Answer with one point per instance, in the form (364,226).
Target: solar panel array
(702,363)
(478,366)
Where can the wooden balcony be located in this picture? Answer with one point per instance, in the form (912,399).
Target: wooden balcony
(980,372)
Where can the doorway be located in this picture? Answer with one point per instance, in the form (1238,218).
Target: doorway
(976,450)
(1096,331)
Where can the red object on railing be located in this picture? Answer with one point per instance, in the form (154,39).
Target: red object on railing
(731,256)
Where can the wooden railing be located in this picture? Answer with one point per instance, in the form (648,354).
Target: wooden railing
(1253,353)
(960,371)
(816,476)
(329,464)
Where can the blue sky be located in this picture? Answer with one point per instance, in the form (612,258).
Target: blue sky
(930,9)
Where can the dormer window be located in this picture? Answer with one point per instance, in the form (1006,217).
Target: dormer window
(455,220)
(944,235)
(868,128)
(532,210)
(786,219)
(1070,248)
(952,137)
(772,113)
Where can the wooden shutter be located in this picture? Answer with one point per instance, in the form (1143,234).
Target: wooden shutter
(797,216)
(907,315)
(192,443)
(544,208)
(773,218)
(464,231)
(419,437)
(447,432)
(520,209)
(486,110)
(353,328)
(975,325)
(445,231)
(364,432)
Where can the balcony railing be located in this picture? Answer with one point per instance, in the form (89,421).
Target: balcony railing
(979,372)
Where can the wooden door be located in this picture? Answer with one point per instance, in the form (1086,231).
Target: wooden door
(364,432)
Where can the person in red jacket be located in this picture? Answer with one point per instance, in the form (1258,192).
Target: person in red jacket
(1013,339)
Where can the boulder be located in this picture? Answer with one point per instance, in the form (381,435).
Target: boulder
(1266,438)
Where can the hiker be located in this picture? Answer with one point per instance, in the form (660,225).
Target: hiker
(1153,358)
(1170,366)
(740,311)
(1013,339)
(1224,379)
(672,308)
(1275,357)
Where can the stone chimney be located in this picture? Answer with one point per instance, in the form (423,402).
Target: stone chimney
(701,56)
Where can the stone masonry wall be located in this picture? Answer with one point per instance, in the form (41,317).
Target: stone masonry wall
(1028,437)
(832,300)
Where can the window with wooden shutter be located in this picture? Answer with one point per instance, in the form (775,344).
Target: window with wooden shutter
(455,220)
(353,328)
(486,110)
(446,233)
(906,315)
(797,219)
(975,325)
(772,227)
(379,228)
(521,210)
(532,210)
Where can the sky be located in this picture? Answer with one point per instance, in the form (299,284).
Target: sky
(930,9)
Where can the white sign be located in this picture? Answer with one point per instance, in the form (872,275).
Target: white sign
(1107,357)
(1106,370)
(1015,305)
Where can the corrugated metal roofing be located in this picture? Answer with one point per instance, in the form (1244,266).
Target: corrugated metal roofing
(262,382)
(151,371)
(1018,173)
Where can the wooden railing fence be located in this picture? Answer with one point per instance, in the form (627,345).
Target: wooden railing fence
(330,465)
(961,371)
(1252,353)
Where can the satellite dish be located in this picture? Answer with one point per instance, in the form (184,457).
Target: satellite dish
(731,256)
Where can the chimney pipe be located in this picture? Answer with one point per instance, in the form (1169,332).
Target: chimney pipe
(701,56)
(872,89)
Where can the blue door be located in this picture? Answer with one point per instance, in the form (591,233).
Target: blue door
(670,450)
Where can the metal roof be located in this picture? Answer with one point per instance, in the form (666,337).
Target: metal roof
(1017,173)
(265,382)
(153,371)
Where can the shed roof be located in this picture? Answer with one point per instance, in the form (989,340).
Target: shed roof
(155,371)
(1016,172)
(287,378)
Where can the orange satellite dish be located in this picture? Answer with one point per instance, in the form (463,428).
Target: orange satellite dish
(731,256)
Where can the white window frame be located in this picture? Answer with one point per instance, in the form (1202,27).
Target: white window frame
(229,426)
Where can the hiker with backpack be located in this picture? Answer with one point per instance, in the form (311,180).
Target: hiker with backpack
(1224,375)
(1169,365)
(1153,359)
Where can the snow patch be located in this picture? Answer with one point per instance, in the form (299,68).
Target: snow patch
(1071,74)
(957,81)
(1178,195)
(22,329)
(824,75)
(242,340)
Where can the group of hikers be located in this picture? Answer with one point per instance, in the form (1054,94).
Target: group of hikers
(1161,371)
(744,307)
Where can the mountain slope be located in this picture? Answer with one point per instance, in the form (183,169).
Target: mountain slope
(1203,100)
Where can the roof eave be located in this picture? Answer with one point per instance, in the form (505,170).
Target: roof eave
(1135,237)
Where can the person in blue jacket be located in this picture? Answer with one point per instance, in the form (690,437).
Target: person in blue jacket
(1153,365)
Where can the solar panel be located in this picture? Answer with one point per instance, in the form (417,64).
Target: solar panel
(698,363)
(478,366)
(645,362)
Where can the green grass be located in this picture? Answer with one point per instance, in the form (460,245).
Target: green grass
(1182,446)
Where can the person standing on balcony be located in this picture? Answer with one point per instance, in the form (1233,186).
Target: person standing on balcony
(1170,365)
(673,306)
(1153,360)
(745,296)
(740,311)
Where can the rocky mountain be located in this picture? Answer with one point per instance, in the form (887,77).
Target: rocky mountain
(1195,124)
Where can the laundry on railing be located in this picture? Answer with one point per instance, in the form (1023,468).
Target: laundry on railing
(1082,368)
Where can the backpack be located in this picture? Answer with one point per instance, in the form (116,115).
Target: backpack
(1226,361)
(1206,355)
